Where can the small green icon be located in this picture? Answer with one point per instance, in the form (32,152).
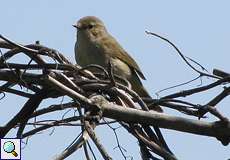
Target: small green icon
(9,147)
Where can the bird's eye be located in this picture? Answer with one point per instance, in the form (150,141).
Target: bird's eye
(90,26)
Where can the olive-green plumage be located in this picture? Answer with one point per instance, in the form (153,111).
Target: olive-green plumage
(96,46)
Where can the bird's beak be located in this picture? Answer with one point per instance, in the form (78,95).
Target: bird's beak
(75,26)
(78,26)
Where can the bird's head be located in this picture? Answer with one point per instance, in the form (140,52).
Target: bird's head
(90,26)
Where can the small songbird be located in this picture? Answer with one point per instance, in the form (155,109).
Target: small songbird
(96,46)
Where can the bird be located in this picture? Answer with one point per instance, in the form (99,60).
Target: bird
(95,45)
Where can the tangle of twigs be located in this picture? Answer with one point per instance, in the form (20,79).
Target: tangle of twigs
(96,96)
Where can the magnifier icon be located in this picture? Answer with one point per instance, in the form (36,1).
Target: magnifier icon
(9,147)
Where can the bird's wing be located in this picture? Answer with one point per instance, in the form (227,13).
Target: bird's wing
(110,46)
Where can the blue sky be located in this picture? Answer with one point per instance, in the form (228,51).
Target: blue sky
(199,28)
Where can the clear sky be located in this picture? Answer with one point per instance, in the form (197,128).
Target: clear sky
(199,28)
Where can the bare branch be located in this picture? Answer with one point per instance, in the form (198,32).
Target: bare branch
(103,94)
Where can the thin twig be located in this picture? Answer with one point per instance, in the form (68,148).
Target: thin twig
(182,56)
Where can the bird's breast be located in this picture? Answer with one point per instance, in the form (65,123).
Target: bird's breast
(90,52)
(87,52)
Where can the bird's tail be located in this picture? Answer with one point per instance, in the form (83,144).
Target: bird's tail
(138,87)
(142,92)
